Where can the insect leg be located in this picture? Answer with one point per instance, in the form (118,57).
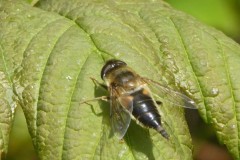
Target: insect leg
(103,98)
(98,83)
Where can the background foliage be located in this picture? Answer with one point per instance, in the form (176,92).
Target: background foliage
(229,17)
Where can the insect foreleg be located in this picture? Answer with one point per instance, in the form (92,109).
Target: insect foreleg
(103,98)
(96,82)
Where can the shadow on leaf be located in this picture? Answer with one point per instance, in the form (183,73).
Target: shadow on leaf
(137,138)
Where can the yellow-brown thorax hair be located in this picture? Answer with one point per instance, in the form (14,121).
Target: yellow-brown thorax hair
(123,80)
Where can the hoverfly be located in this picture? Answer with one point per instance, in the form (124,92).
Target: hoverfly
(131,98)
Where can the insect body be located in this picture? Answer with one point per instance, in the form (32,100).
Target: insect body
(130,98)
(145,111)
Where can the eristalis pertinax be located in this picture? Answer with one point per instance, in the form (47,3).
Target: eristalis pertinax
(131,98)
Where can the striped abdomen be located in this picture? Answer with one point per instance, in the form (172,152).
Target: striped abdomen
(145,111)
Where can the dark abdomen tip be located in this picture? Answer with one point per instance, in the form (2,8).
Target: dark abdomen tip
(162,132)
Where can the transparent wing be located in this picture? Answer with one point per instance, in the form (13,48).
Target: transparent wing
(169,95)
(120,116)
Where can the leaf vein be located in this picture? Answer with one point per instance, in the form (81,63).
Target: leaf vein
(5,66)
(70,101)
(231,89)
(193,70)
(41,78)
(187,54)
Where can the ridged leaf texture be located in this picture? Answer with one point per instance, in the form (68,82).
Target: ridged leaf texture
(50,50)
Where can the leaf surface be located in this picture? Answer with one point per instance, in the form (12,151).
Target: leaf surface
(50,51)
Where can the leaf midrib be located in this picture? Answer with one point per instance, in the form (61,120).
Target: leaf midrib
(231,91)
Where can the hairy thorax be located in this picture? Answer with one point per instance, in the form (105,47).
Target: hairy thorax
(124,80)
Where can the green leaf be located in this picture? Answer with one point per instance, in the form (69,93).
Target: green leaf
(50,51)
(8,100)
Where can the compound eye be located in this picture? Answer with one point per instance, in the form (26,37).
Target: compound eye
(105,69)
(111,65)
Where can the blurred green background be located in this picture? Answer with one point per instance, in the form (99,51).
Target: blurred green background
(221,14)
